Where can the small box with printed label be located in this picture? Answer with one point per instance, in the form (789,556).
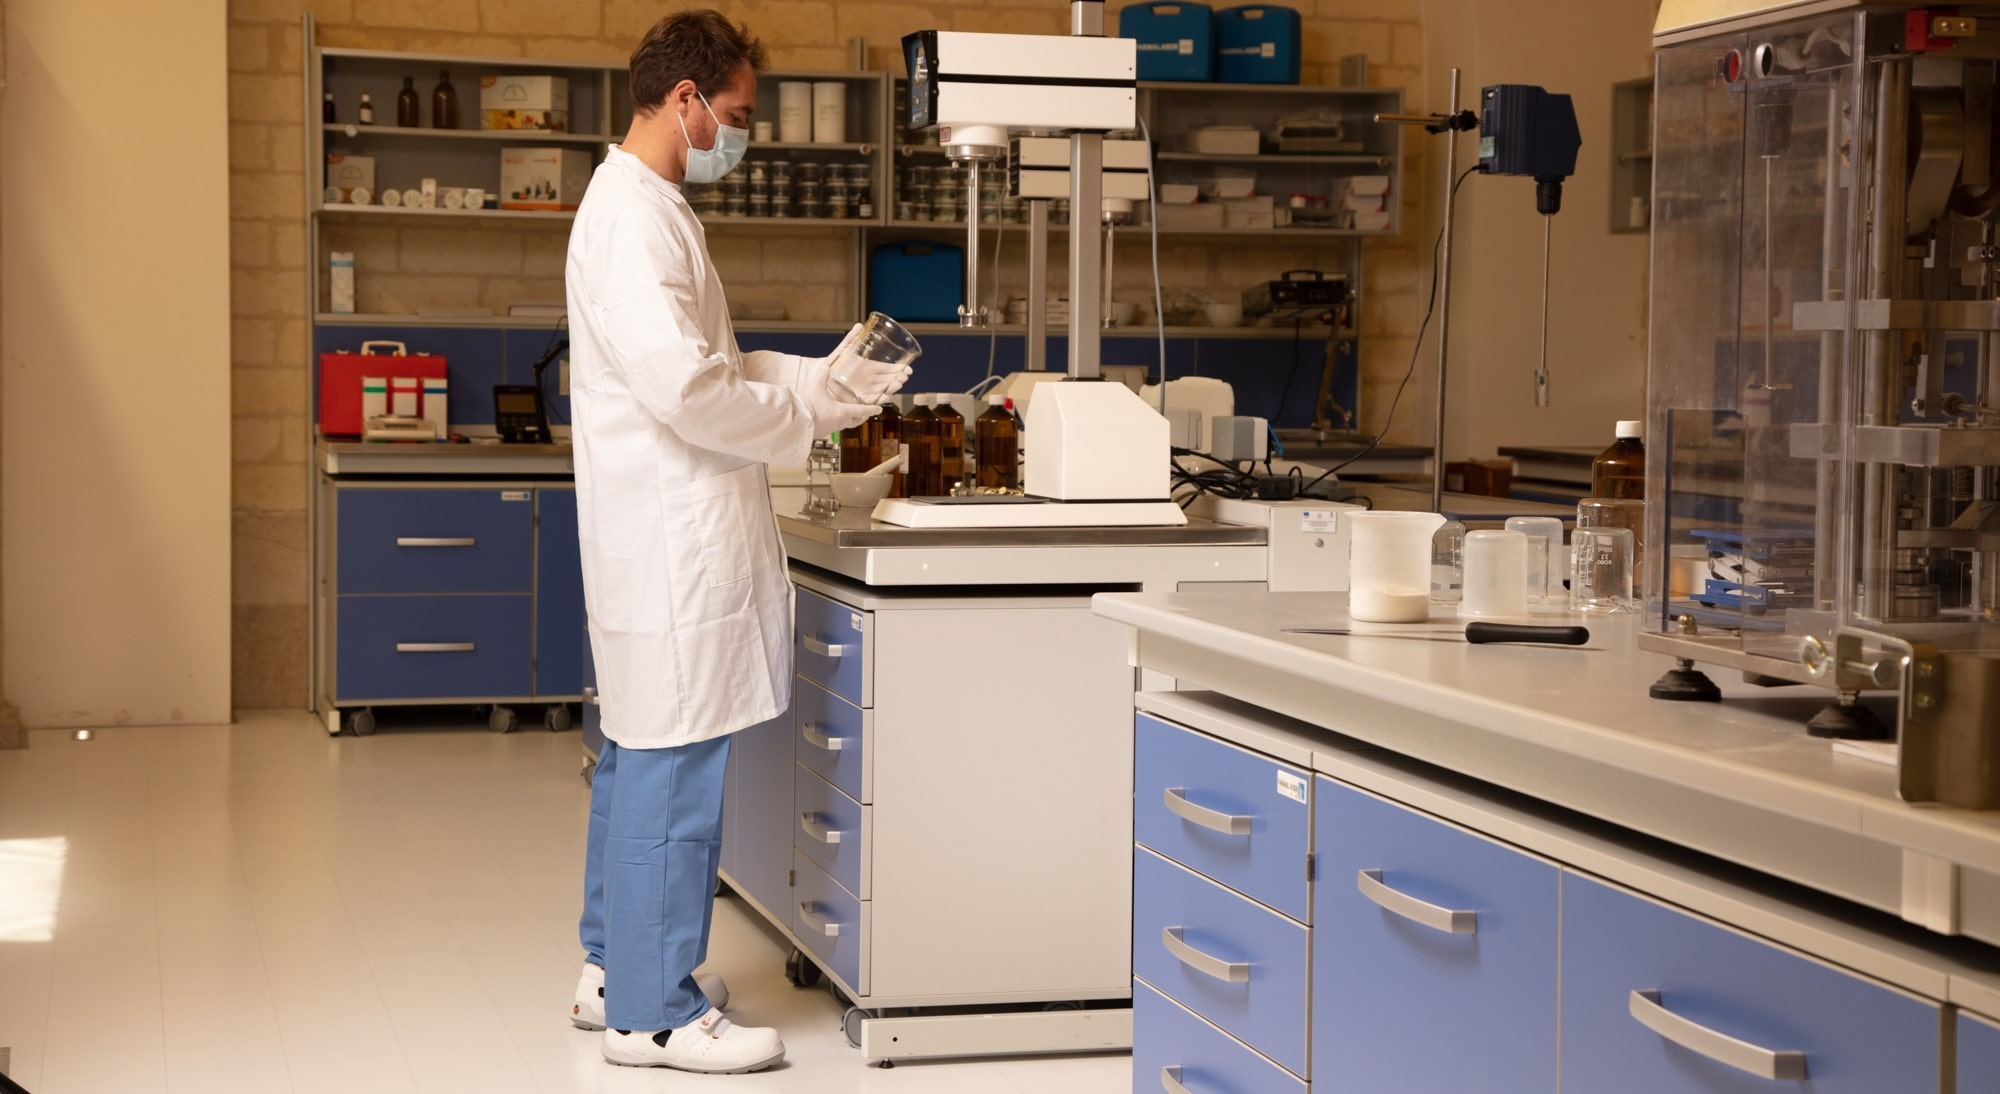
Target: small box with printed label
(543,178)
(524,102)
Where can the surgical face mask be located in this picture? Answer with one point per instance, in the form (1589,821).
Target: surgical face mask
(710,164)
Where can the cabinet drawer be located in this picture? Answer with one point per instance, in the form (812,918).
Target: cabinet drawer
(832,738)
(1448,940)
(1656,1000)
(1172,1045)
(1226,813)
(832,647)
(831,829)
(1978,1054)
(433,647)
(436,541)
(1229,959)
(829,922)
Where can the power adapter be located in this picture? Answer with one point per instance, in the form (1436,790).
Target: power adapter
(1278,488)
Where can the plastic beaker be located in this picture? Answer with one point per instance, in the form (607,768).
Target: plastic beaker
(1496,573)
(1389,572)
(1546,571)
(880,339)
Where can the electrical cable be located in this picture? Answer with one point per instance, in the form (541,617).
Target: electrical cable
(1285,394)
(1430,308)
(1159,295)
(548,400)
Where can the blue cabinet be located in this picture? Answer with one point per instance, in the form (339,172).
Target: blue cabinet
(1229,959)
(1978,1054)
(831,647)
(457,540)
(416,647)
(1434,954)
(1171,1044)
(830,830)
(828,921)
(1658,1001)
(832,740)
(1232,815)
(757,816)
(559,616)
(452,594)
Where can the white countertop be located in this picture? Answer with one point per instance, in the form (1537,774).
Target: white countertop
(1574,726)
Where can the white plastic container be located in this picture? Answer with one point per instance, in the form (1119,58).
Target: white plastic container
(1389,569)
(795,104)
(829,112)
(1496,573)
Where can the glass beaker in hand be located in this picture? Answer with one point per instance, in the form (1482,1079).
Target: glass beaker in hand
(880,341)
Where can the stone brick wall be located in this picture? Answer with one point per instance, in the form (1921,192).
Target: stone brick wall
(404,269)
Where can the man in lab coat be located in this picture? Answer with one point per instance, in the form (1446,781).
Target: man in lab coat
(684,577)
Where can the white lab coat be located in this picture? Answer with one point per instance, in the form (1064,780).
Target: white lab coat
(683,574)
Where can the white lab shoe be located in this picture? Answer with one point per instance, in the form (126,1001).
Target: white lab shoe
(711,1044)
(588,1010)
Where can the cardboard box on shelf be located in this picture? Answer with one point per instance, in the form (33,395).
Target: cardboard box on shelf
(1372,222)
(1249,213)
(1365,203)
(1231,187)
(1364,184)
(524,102)
(1204,217)
(543,178)
(347,173)
(1179,193)
(1227,140)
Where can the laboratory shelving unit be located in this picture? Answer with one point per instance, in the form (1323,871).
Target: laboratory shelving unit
(1631,153)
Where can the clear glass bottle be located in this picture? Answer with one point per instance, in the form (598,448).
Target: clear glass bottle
(996,444)
(1620,471)
(925,436)
(444,103)
(406,104)
(365,114)
(951,454)
(1448,563)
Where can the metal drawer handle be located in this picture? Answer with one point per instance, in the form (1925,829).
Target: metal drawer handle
(1170,1080)
(1720,1047)
(1403,904)
(435,647)
(825,649)
(590,696)
(436,541)
(817,829)
(1228,824)
(807,913)
(810,731)
(1229,972)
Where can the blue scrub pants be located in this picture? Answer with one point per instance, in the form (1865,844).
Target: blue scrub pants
(649,878)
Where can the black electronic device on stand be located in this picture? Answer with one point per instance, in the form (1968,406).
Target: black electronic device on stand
(520,414)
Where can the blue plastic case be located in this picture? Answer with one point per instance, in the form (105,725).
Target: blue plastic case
(1176,40)
(1257,44)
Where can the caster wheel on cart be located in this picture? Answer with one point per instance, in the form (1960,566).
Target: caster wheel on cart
(556,717)
(850,1024)
(800,970)
(502,720)
(589,773)
(361,723)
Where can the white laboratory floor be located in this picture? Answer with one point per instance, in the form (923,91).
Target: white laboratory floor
(263,908)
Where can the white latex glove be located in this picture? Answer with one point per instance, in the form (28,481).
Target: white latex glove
(831,414)
(871,381)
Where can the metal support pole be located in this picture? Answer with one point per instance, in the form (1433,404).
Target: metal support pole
(972,313)
(1444,301)
(1086,261)
(1542,372)
(1038,287)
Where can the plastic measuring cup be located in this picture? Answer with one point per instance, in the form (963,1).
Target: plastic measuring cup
(880,339)
(1389,575)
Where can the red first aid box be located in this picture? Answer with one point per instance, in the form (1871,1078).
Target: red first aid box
(340,381)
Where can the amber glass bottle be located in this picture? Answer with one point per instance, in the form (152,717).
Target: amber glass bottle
(1620,471)
(925,436)
(996,446)
(444,104)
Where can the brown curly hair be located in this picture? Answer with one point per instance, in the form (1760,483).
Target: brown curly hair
(703,46)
